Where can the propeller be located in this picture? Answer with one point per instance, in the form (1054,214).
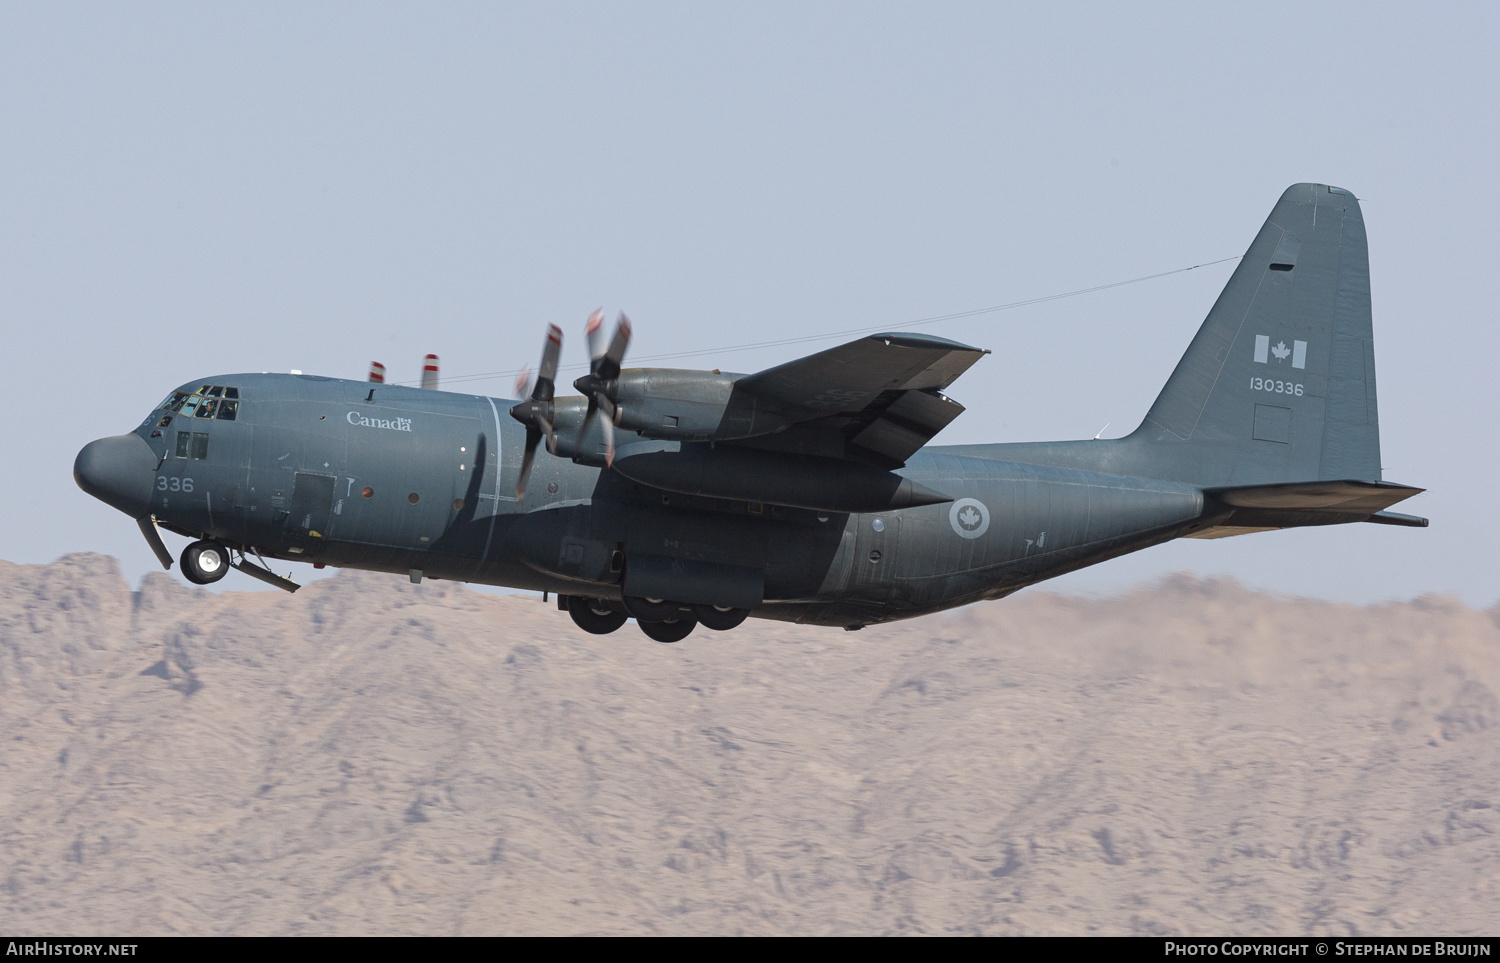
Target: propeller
(537,411)
(602,384)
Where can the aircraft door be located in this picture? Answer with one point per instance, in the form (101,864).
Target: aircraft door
(311,504)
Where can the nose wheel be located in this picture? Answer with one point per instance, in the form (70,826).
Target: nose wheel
(205,562)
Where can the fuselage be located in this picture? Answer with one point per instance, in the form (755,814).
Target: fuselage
(395,479)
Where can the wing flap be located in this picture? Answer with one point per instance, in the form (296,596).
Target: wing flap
(907,424)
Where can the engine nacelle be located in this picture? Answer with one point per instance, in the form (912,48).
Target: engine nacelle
(569,440)
(687,405)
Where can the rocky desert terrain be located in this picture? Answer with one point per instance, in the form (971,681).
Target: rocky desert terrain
(369,756)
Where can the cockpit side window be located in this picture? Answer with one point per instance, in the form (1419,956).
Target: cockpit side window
(228,409)
(207,407)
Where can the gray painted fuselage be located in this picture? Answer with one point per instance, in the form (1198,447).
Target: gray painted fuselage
(459,455)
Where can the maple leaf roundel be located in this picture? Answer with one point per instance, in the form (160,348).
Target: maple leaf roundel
(969,517)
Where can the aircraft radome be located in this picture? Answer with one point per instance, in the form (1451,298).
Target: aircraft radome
(803,492)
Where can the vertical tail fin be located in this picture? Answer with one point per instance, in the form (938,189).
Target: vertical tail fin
(1279,383)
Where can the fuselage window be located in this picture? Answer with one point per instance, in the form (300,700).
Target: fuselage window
(200,445)
(184,439)
(228,409)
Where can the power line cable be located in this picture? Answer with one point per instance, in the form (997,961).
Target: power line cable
(830,335)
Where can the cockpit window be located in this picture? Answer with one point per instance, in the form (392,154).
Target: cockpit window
(192,443)
(209,401)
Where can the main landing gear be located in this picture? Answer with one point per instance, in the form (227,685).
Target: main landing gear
(660,619)
(594,616)
(204,562)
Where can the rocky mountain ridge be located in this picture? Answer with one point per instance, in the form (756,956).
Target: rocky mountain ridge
(370,756)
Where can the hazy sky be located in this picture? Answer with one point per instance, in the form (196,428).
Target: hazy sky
(198,189)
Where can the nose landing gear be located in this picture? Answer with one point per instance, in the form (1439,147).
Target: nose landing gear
(205,562)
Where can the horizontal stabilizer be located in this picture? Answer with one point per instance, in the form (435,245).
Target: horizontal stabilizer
(1341,497)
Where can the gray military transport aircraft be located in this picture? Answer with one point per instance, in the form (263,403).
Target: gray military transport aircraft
(802,492)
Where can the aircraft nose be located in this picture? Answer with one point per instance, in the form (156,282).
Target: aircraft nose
(118,471)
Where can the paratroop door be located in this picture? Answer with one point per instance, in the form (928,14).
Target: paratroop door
(312,500)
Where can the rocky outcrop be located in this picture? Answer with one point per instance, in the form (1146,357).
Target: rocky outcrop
(370,756)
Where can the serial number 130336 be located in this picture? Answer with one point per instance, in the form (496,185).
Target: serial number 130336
(165,484)
(1277,387)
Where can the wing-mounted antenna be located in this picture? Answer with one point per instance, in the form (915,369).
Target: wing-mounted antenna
(430,372)
(602,384)
(537,412)
(377,373)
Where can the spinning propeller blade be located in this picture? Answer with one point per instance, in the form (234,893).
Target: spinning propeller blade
(593,331)
(601,385)
(537,411)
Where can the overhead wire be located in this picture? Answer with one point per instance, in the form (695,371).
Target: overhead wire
(870,329)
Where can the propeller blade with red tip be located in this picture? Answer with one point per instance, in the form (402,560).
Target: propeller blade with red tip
(536,412)
(601,384)
(593,331)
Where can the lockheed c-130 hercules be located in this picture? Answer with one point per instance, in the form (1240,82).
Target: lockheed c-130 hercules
(803,492)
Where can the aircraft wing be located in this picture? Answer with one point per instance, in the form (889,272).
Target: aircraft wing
(880,397)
